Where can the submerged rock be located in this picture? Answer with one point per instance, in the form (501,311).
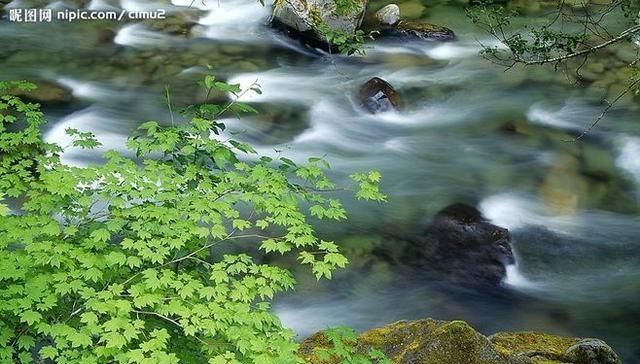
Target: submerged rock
(178,23)
(106,36)
(377,95)
(455,342)
(389,15)
(463,246)
(47,93)
(303,19)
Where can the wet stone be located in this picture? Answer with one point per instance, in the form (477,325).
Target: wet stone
(377,95)
(389,15)
(418,31)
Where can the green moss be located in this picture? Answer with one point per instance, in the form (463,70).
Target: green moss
(513,343)
(538,360)
(310,346)
(432,342)
(422,27)
(455,342)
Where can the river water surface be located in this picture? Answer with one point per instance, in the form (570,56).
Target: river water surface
(467,132)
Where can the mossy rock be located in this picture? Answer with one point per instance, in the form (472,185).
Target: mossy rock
(431,341)
(418,342)
(305,19)
(310,347)
(46,93)
(540,348)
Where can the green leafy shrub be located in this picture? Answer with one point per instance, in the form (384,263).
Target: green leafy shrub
(123,262)
(343,349)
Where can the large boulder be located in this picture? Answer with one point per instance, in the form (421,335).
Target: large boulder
(305,19)
(377,95)
(463,246)
(417,342)
(455,342)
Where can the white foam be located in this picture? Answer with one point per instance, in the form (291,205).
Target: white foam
(91,119)
(198,4)
(81,89)
(288,85)
(452,51)
(435,50)
(629,158)
(514,278)
(238,20)
(136,5)
(509,210)
(101,5)
(573,115)
(517,210)
(136,35)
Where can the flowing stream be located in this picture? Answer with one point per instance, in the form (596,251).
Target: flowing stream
(467,132)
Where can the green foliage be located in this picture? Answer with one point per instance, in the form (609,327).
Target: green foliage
(556,39)
(346,7)
(565,38)
(123,262)
(344,350)
(345,43)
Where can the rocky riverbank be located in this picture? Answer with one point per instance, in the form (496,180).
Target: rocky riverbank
(455,342)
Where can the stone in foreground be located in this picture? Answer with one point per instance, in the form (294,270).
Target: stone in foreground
(455,342)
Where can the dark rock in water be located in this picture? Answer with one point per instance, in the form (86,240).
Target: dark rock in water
(463,246)
(106,36)
(377,95)
(509,128)
(418,31)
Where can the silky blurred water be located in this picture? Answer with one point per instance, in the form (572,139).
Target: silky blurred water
(575,235)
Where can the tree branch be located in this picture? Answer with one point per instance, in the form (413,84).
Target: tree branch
(626,33)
